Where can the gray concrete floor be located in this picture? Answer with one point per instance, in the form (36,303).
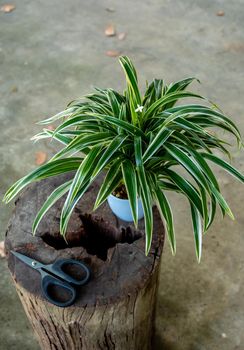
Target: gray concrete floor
(52,52)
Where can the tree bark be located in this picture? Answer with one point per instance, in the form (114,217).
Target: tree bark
(115,310)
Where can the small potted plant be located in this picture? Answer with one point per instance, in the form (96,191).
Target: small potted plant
(145,145)
(139,141)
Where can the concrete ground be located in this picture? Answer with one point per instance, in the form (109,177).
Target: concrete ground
(52,52)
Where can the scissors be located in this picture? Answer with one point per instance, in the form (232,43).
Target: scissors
(53,276)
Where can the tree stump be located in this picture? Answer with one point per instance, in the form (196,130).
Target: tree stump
(115,310)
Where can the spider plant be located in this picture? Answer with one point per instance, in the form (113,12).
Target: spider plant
(140,141)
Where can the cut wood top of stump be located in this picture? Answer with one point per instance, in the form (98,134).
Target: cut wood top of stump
(114,250)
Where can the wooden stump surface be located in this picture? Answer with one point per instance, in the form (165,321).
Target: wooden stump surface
(116,271)
(115,310)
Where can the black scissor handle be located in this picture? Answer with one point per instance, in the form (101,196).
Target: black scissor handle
(49,282)
(57,268)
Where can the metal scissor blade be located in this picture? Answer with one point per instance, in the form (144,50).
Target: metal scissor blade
(28,261)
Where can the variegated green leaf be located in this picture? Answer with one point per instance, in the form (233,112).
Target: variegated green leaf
(51,200)
(129,176)
(145,194)
(197,229)
(111,181)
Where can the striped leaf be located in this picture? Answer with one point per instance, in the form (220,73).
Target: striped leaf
(106,156)
(234,172)
(165,211)
(186,188)
(163,101)
(54,168)
(111,181)
(51,200)
(129,176)
(188,164)
(145,194)
(79,182)
(197,229)
(131,77)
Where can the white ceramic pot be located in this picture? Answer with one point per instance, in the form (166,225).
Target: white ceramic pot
(121,208)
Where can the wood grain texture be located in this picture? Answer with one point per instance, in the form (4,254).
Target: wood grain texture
(115,310)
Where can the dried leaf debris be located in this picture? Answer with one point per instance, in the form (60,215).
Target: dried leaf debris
(113,53)
(110,30)
(6,8)
(40,157)
(2,250)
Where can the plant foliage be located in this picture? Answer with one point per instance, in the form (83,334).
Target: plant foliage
(140,140)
